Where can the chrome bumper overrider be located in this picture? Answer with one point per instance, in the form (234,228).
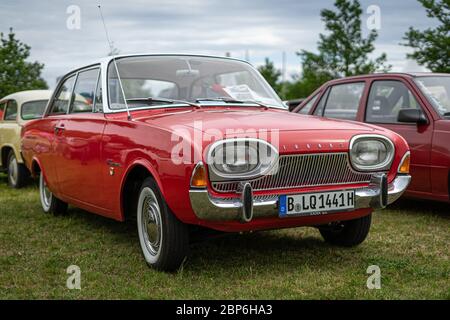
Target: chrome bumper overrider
(206,207)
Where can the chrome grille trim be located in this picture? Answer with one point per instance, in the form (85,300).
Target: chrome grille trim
(304,170)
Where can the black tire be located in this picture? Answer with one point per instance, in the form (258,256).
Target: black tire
(164,240)
(347,233)
(50,203)
(17,172)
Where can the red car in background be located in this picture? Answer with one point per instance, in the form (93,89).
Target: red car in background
(417,106)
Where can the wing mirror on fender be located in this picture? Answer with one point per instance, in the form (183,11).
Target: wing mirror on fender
(412,116)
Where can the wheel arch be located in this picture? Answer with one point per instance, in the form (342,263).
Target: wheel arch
(134,175)
(5,150)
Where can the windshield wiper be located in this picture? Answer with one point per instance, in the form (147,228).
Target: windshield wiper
(231,100)
(151,100)
(446,114)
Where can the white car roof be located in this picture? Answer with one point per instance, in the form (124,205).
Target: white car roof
(29,95)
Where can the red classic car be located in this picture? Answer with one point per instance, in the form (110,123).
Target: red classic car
(416,106)
(180,140)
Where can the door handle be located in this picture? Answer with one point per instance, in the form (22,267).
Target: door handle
(111,163)
(59,128)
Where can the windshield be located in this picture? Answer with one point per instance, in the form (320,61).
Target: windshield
(201,80)
(33,109)
(437,90)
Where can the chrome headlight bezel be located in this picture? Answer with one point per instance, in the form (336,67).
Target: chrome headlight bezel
(384,165)
(266,160)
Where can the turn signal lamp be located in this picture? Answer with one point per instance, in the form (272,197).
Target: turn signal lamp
(198,179)
(404,165)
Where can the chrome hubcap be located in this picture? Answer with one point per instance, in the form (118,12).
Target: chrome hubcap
(12,170)
(151,222)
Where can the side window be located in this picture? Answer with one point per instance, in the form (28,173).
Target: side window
(84,91)
(386,99)
(62,99)
(11,111)
(343,101)
(307,107)
(2,109)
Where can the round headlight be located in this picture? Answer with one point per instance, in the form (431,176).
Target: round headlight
(371,153)
(240,158)
(235,159)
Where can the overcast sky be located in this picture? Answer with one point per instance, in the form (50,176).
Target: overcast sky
(260,28)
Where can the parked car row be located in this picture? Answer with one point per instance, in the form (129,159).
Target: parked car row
(181,142)
(416,106)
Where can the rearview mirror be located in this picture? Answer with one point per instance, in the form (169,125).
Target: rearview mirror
(412,116)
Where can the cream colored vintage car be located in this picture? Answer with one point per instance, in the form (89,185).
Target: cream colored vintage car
(15,110)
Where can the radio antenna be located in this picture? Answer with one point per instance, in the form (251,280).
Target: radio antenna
(111,48)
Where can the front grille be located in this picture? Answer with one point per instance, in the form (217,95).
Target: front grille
(305,170)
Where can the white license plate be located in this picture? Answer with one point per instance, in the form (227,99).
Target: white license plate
(316,203)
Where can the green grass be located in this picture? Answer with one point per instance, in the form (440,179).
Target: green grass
(409,242)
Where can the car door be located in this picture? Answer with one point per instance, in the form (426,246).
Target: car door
(79,143)
(386,98)
(49,127)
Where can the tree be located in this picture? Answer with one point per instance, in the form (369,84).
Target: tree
(271,74)
(16,74)
(432,46)
(343,51)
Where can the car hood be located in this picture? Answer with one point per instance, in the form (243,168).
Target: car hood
(247,119)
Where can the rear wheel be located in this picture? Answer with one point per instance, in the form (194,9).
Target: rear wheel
(347,233)
(163,238)
(50,204)
(17,172)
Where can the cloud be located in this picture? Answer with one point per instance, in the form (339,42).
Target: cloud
(260,28)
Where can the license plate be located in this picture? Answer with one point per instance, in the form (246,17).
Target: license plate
(316,203)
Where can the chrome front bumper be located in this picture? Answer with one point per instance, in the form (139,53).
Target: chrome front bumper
(246,207)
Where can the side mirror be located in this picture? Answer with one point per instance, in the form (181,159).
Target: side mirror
(412,116)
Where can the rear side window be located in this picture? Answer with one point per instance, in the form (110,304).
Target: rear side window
(11,110)
(343,101)
(62,99)
(307,107)
(84,92)
(386,99)
(33,109)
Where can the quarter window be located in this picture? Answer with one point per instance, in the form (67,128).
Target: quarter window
(62,99)
(98,106)
(33,109)
(307,107)
(11,111)
(386,99)
(84,92)
(343,101)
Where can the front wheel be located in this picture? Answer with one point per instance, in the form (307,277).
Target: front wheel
(347,233)
(17,172)
(50,204)
(163,238)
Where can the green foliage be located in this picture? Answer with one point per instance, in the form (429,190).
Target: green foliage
(272,75)
(16,74)
(342,51)
(432,46)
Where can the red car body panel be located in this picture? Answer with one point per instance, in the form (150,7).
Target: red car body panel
(429,143)
(90,143)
